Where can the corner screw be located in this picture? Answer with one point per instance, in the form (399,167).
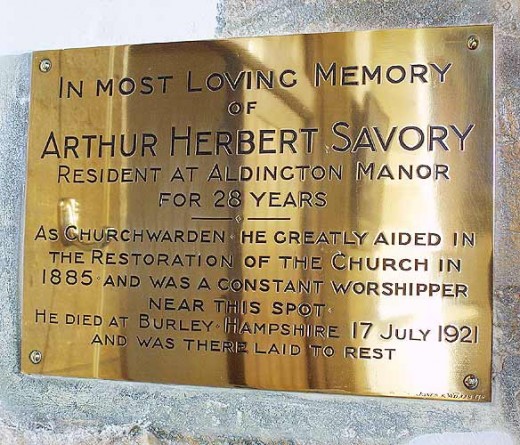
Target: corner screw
(45,65)
(35,357)
(473,42)
(471,381)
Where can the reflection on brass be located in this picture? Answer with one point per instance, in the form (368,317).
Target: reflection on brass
(307,212)
(70,228)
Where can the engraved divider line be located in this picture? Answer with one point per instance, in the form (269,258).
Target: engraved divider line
(216,218)
(269,219)
(210,218)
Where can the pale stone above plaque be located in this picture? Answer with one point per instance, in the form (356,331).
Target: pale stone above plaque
(305,212)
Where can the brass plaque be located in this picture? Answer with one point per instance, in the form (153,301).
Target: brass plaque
(305,212)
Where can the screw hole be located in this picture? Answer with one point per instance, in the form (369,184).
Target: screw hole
(45,65)
(473,42)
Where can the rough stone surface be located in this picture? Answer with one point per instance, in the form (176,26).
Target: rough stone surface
(46,410)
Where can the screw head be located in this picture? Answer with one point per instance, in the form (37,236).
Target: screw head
(35,357)
(473,42)
(471,382)
(45,65)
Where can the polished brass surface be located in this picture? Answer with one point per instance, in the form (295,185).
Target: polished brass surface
(307,212)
